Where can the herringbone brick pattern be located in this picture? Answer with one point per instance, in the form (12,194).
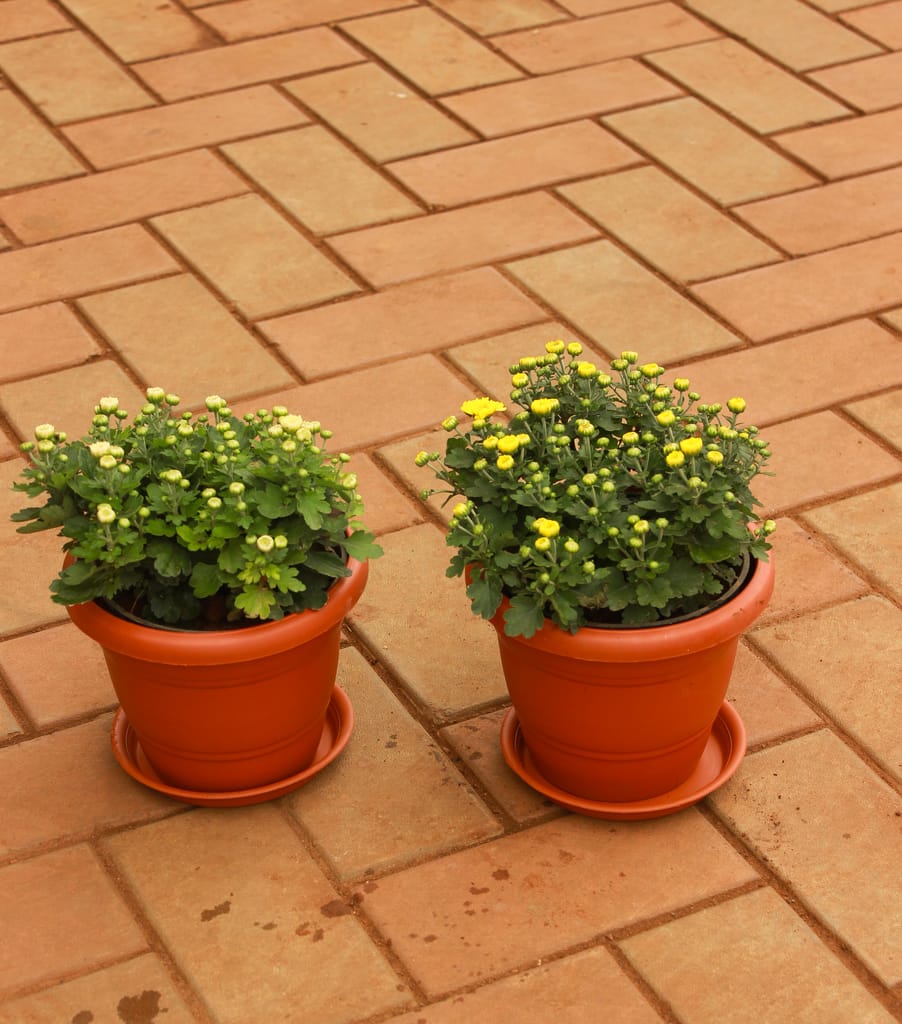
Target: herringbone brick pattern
(368,209)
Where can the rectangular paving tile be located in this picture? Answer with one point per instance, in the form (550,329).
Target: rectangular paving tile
(377,112)
(562,96)
(593,40)
(747,949)
(709,151)
(45,904)
(820,376)
(633,303)
(175,335)
(244,885)
(55,338)
(830,215)
(139,29)
(872,84)
(436,615)
(848,147)
(850,682)
(829,825)
(21,18)
(127,138)
(254,257)
(42,68)
(30,152)
(489,19)
(240,64)
(420,316)
(486,233)
(57,270)
(882,415)
(794,296)
(525,161)
(320,181)
(140,987)
(509,902)
(788,30)
(247,18)
(116,197)
(882,22)
(758,92)
(430,50)
(668,225)
(363,814)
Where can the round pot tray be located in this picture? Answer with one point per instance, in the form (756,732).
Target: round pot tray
(722,755)
(336,733)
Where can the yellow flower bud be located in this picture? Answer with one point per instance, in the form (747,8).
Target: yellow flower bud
(508,444)
(666,418)
(554,347)
(691,445)
(736,405)
(546,527)
(519,380)
(459,510)
(714,457)
(587,369)
(505,462)
(542,543)
(544,406)
(675,459)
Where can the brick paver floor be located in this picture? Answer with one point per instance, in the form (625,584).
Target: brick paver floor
(368,209)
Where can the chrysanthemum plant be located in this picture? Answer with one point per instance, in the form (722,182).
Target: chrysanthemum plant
(201,519)
(608,498)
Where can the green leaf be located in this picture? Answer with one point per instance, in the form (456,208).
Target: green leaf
(169,560)
(524,617)
(255,603)
(712,551)
(311,506)
(274,503)
(484,597)
(327,563)
(206,580)
(362,545)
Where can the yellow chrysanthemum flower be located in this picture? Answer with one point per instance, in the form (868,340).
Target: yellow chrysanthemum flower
(520,380)
(505,462)
(736,405)
(508,444)
(554,348)
(587,370)
(675,459)
(691,445)
(544,406)
(482,408)
(546,527)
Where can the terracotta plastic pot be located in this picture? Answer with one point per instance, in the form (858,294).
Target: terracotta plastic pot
(624,714)
(231,709)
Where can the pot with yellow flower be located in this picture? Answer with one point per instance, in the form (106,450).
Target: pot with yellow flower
(607,531)
(213,558)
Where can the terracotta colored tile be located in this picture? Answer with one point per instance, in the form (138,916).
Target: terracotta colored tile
(44,905)
(747,949)
(893,317)
(709,151)
(263,60)
(543,890)
(882,22)
(246,18)
(581,989)
(138,986)
(116,197)
(593,40)
(857,526)
(377,112)
(668,225)
(873,84)
(63,269)
(30,152)
(42,68)
(822,819)
(67,784)
(759,374)
(21,18)
(138,29)
(759,93)
(9,725)
(386,507)
(176,335)
(476,741)
(203,122)
(768,707)
(848,147)
(4,241)
(257,260)
(518,163)
(362,814)
(564,96)
(801,474)
(320,181)
(486,233)
(634,303)
(487,19)
(429,50)
(802,294)
(830,215)
(788,30)
(435,615)
(839,5)
(882,415)
(808,576)
(583,7)
(54,337)
(57,673)
(377,404)
(69,396)
(244,885)
(416,317)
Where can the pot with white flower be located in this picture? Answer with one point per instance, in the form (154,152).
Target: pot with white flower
(607,531)
(213,559)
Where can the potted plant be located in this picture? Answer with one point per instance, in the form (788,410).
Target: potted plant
(213,558)
(607,531)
